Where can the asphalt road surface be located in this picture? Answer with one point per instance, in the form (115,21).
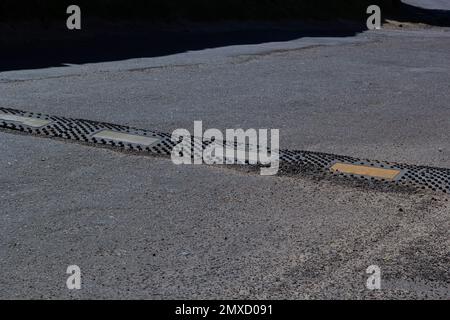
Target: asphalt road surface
(430,4)
(141,227)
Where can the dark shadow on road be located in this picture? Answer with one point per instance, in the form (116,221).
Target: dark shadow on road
(32,48)
(432,17)
(55,49)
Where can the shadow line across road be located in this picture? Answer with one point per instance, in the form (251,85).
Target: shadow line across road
(31,47)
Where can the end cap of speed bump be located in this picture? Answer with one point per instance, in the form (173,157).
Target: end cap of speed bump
(154,142)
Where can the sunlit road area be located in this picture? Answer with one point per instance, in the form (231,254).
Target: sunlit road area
(430,4)
(142,227)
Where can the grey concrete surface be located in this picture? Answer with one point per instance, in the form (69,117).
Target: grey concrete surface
(141,227)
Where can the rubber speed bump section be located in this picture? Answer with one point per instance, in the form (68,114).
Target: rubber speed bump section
(125,137)
(31,122)
(96,133)
(87,131)
(388,174)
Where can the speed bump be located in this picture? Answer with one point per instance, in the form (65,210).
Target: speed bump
(96,133)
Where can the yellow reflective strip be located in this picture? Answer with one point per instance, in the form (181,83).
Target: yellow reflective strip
(389,174)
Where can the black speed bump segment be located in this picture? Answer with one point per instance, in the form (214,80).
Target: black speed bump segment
(154,142)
